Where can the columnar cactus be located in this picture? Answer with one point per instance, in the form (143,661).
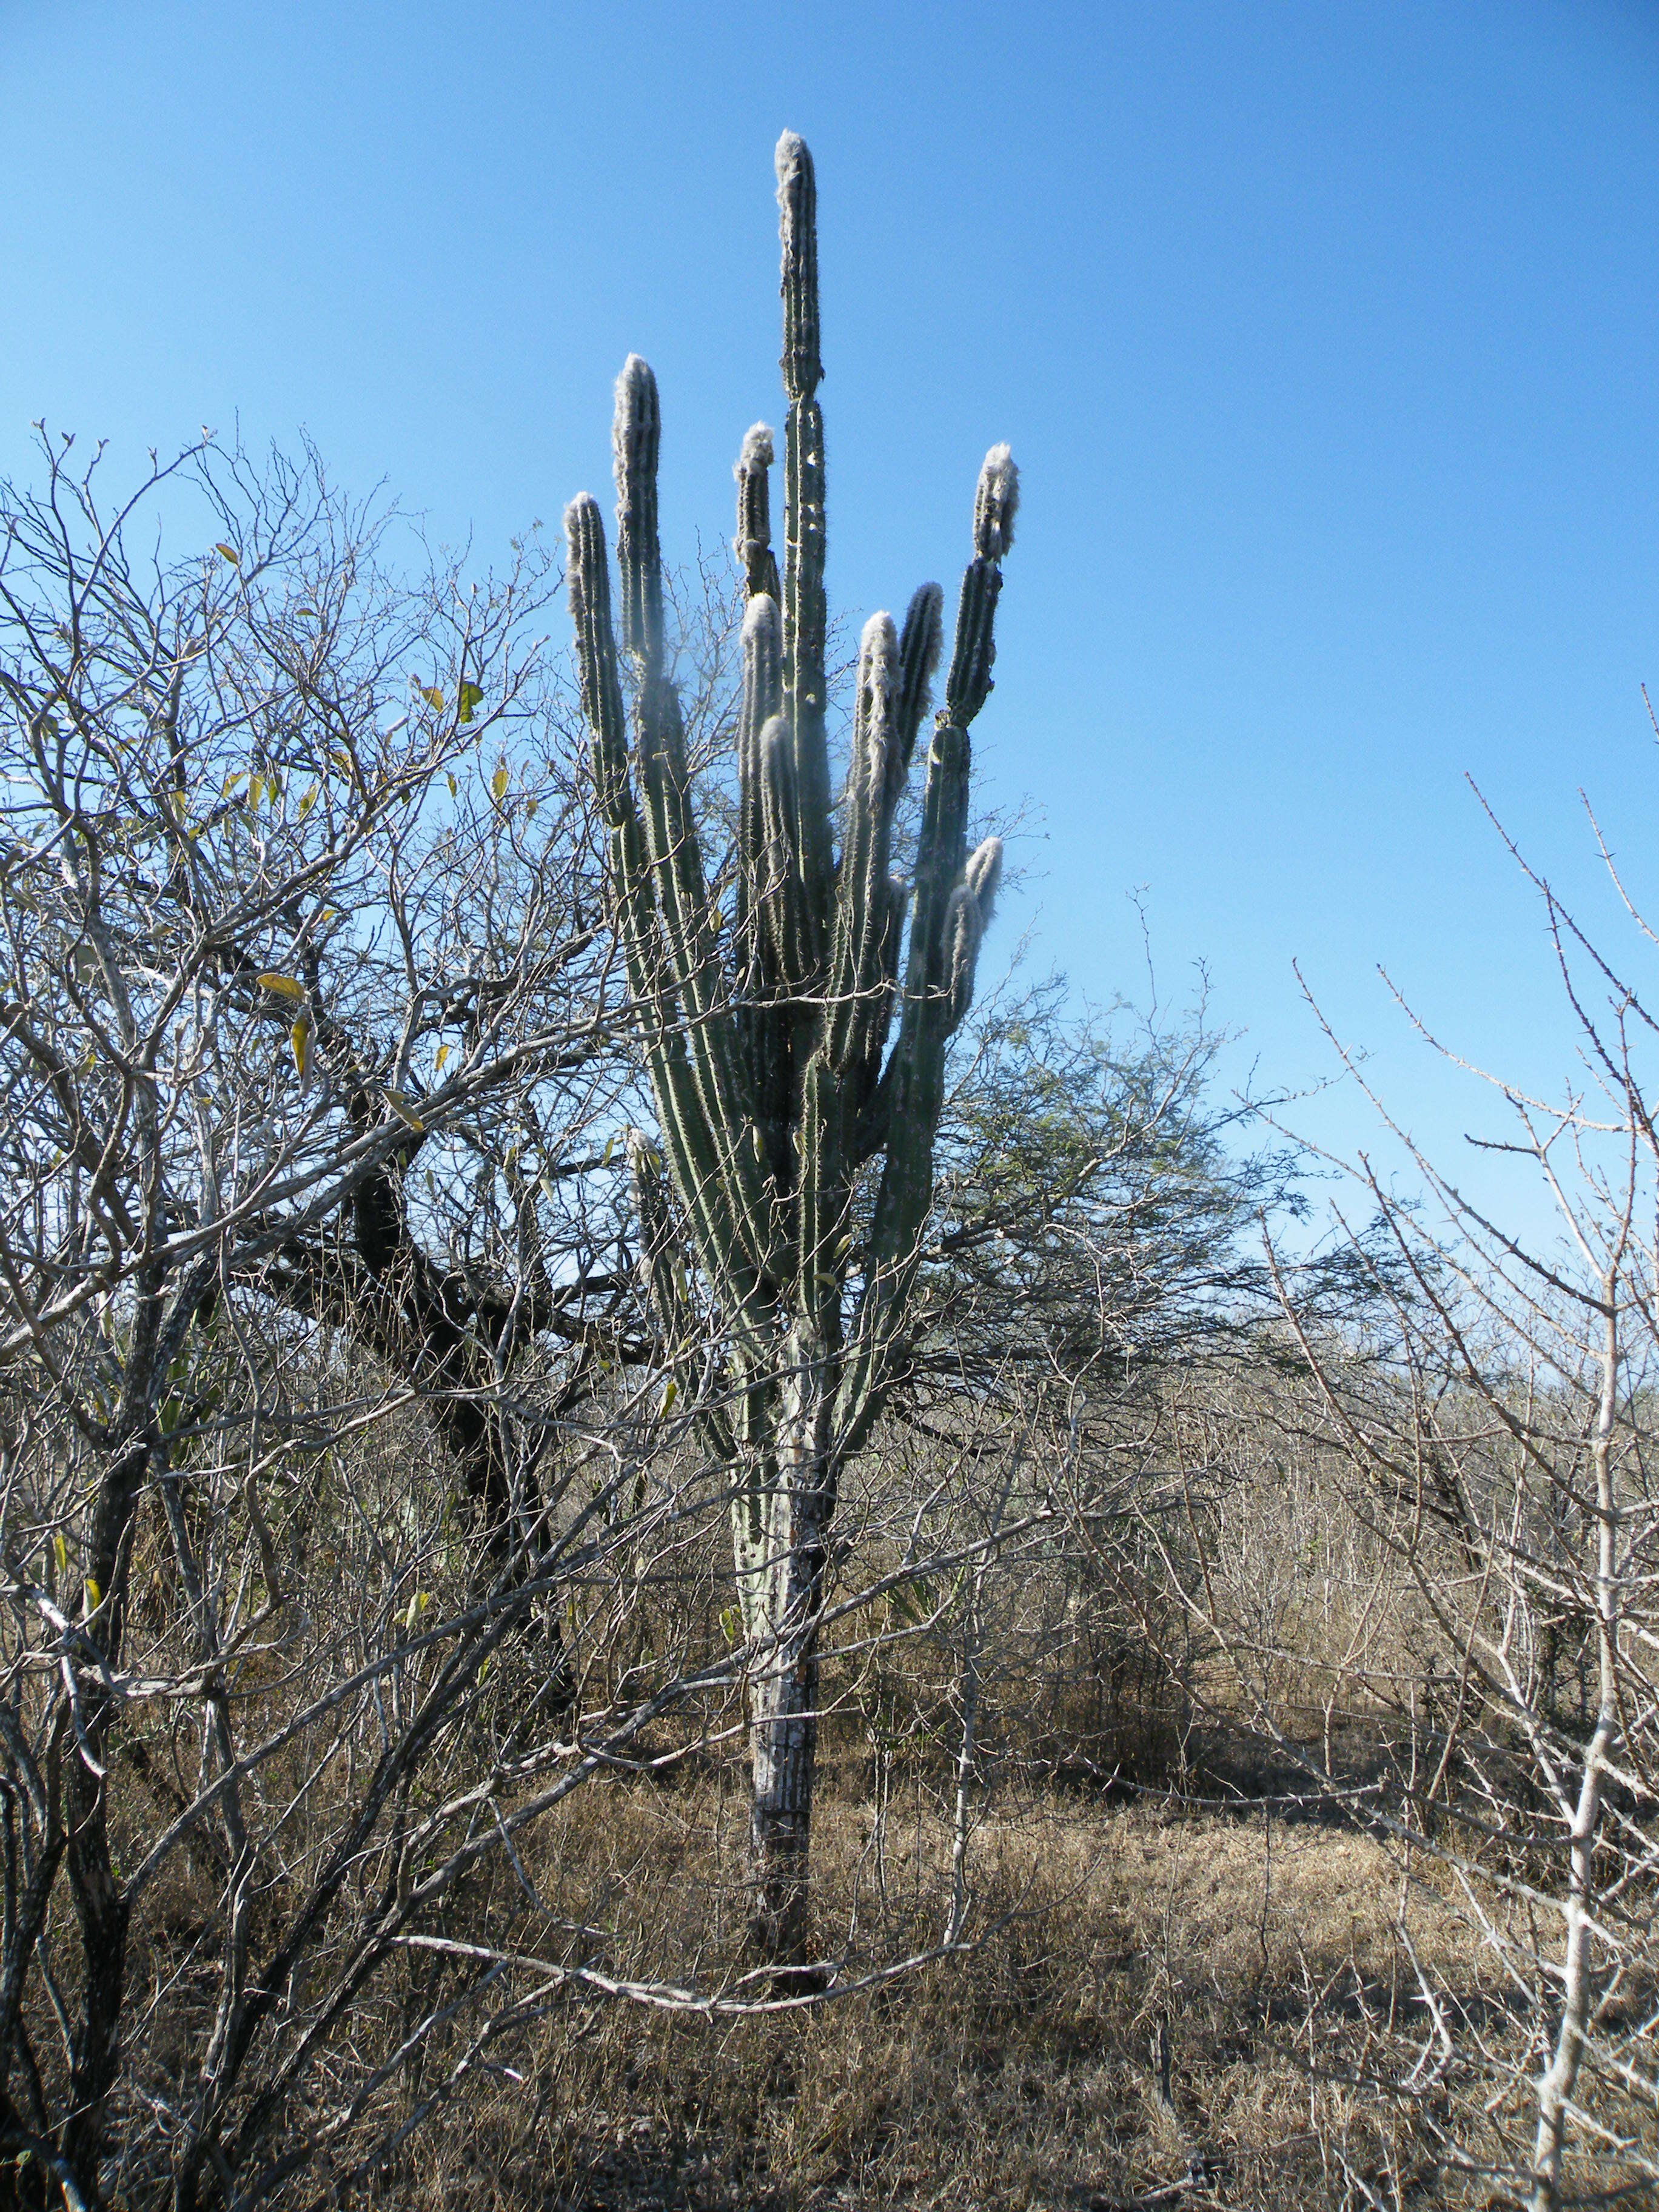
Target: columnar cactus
(765,1034)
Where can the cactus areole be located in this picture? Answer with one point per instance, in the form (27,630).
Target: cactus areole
(796,1129)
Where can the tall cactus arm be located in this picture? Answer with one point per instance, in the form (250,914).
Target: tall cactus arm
(820,1209)
(940,851)
(631,885)
(734,1427)
(690,1142)
(761,698)
(789,923)
(919,652)
(914,1089)
(869,1098)
(757,705)
(941,848)
(765,1024)
(903,1115)
(867,815)
(762,693)
(965,921)
(804,610)
(662,1276)
(688,926)
(952,906)
(996,504)
(635,440)
(754,544)
(871,1092)
(859,929)
(798,212)
(589,586)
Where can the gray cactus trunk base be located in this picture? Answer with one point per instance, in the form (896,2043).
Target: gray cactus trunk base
(766,1035)
(783,1686)
(784,1492)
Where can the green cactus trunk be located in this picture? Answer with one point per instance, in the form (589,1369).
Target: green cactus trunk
(766,1041)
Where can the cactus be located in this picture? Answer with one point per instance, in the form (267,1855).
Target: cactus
(767,1041)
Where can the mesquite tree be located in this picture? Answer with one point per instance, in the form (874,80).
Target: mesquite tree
(800,1163)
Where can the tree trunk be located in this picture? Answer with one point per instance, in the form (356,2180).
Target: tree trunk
(1555,2090)
(783,1749)
(99,1906)
(783,1682)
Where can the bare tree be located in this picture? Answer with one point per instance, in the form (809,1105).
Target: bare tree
(1474,1474)
(302,1056)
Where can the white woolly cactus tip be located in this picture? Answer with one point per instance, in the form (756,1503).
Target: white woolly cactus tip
(878,646)
(996,504)
(757,452)
(637,417)
(761,614)
(636,386)
(984,873)
(879,676)
(791,158)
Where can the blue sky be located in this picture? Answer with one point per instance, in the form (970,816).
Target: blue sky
(1325,336)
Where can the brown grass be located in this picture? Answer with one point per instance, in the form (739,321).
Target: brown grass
(1024,2074)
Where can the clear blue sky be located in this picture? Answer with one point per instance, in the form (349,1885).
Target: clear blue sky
(1325,336)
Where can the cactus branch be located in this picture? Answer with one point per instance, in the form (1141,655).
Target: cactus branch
(919,652)
(635,438)
(754,542)
(996,504)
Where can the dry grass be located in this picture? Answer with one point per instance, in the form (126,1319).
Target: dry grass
(1025,2074)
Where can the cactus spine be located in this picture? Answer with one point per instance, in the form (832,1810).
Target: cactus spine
(767,1044)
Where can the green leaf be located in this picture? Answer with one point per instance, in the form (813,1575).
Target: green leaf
(466,700)
(498,783)
(229,553)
